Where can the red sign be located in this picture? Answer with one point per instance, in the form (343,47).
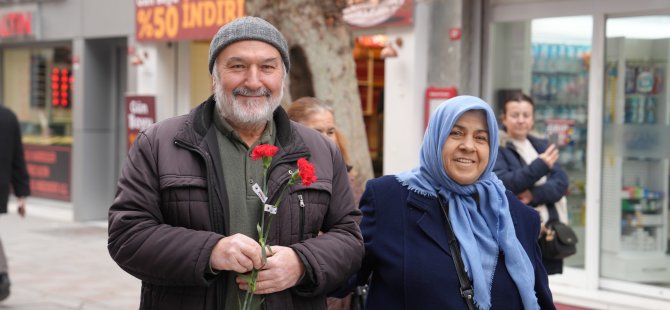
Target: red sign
(49,170)
(61,83)
(455,33)
(16,24)
(140,114)
(171,20)
(435,96)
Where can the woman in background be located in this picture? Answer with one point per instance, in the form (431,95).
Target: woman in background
(528,166)
(317,115)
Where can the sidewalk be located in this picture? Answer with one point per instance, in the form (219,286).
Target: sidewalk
(59,264)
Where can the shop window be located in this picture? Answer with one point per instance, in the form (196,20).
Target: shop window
(636,152)
(37,84)
(370,76)
(549,59)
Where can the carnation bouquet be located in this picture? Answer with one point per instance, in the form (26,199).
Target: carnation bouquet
(305,173)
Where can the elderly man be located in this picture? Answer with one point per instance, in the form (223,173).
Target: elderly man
(185,214)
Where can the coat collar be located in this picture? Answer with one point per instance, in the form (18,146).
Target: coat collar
(194,130)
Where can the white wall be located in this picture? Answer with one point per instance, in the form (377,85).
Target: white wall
(404,88)
(164,73)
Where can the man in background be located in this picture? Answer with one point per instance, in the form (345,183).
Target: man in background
(12,173)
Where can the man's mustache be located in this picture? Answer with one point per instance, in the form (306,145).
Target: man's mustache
(244,91)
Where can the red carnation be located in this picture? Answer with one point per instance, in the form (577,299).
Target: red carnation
(307,171)
(263,150)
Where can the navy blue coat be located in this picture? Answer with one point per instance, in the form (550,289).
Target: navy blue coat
(518,177)
(408,260)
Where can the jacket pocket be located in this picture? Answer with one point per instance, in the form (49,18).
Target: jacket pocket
(311,205)
(184,201)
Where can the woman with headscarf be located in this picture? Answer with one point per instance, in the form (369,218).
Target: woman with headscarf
(408,259)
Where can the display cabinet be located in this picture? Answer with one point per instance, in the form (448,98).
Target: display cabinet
(559,88)
(635,161)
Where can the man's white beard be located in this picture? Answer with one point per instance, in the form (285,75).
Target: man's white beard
(251,114)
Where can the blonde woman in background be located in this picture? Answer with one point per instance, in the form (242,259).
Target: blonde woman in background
(317,115)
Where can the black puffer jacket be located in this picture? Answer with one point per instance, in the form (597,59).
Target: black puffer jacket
(170,210)
(12,164)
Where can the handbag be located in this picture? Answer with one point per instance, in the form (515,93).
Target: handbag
(467,292)
(560,241)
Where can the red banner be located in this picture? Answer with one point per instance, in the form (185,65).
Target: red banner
(49,170)
(172,20)
(140,114)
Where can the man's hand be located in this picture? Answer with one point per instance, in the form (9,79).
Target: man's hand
(238,253)
(550,155)
(21,202)
(282,271)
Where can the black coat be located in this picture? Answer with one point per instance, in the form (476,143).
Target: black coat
(517,177)
(12,164)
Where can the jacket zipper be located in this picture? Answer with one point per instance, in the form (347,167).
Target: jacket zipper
(302,217)
(221,287)
(284,180)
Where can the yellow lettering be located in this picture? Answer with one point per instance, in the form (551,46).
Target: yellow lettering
(172,22)
(230,12)
(159,22)
(196,19)
(209,13)
(185,20)
(240,8)
(145,30)
(191,8)
(219,12)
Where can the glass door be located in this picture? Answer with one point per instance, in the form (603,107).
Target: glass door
(636,151)
(549,60)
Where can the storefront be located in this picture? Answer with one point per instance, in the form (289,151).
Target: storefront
(65,78)
(37,83)
(171,50)
(598,72)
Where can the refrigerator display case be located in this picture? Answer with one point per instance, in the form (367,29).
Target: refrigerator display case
(559,88)
(635,161)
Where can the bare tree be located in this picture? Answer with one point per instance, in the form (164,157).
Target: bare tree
(322,63)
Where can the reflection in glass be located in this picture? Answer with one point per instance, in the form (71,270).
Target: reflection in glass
(549,59)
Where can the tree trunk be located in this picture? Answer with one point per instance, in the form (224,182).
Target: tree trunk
(316,27)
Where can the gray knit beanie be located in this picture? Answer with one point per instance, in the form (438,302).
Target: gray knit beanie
(248,28)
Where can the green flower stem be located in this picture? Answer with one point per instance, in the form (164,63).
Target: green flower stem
(263,237)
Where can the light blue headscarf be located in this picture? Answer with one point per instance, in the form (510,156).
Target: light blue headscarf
(482,232)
